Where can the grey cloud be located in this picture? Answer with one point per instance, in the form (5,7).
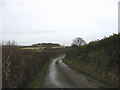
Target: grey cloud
(15,31)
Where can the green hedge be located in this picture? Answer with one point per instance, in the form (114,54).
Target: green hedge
(100,59)
(20,66)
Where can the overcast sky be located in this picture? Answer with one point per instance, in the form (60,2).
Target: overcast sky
(57,21)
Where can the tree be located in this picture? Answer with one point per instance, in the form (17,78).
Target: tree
(78,42)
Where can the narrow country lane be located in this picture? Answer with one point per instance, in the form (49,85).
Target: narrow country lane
(59,75)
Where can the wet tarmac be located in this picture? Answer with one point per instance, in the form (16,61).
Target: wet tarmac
(59,75)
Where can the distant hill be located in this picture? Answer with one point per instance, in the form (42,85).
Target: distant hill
(46,45)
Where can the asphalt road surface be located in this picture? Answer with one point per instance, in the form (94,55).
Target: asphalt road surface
(59,75)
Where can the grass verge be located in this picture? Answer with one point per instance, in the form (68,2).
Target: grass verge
(39,79)
(87,71)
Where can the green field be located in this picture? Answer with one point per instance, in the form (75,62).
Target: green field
(38,48)
(33,48)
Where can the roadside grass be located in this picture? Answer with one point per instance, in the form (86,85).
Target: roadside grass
(38,81)
(93,71)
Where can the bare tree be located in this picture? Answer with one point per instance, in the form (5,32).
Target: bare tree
(78,42)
